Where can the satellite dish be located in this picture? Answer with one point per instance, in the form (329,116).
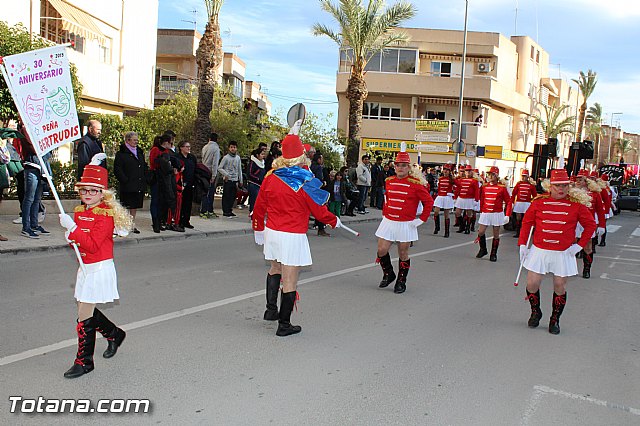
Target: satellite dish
(296,112)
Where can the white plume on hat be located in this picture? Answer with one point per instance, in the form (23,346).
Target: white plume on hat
(403,147)
(296,127)
(561,162)
(97,159)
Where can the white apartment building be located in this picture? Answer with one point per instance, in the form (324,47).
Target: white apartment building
(506,79)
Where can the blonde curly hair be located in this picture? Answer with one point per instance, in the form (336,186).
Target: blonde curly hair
(577,195)
(281,162)
(122,220)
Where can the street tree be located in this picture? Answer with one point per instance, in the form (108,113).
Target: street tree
(208,58)
(553,124)
(594,128)
(362,32)
(16,39)
(623,146)
(587,84)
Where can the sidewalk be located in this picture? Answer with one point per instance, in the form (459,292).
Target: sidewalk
(202,228)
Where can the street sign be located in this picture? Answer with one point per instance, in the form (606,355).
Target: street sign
(440,148)
(296,112)
(457,146)
(470,153)
(431,137)
(439,126)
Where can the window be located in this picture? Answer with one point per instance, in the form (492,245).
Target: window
(374,63)
(77,42)
(435,115)
(390,60)
(537,56)
(441,69)
(533,52)
(104,55)
(345,60)
(407,61)
(377,111)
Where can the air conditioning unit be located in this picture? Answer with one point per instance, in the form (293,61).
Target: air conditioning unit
(484,67)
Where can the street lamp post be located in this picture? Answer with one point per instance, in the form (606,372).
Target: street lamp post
(464,60)
(611,133)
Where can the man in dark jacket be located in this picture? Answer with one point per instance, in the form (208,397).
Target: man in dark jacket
(89,146)
(130,169)
(317,168)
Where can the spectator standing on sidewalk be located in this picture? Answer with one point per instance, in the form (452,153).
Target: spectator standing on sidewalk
(256,174)
(274,152)
(379,185)
(131,171)
(90,145)
(338,193)
(363,172)
(211,159)
(375,170)
(231,170)
(32,191)
(318,171)
(189,162)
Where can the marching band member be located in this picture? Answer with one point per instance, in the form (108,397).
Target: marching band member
(444,200)
(492,197)
(523,193)
(607,198)
(466,196)
(399,223)
(554,217)
(597,211)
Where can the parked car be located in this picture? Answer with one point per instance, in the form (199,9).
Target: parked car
(628,199)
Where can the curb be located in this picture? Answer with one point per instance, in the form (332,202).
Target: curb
(128,241)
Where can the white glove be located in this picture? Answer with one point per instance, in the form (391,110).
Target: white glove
(574,249)
(601,231)
(66,221)
(416,222)
(66,236)
(524,252)
(451,194)
(258,237)
(338,223)
(98,158)
(506,220)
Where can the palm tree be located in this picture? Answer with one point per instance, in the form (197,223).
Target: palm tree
(553,124)
(365,31)
(208,58)
(594,129)
(623,146)
(586,84)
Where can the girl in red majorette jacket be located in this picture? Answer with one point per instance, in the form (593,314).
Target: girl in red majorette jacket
(404,192)
(597,210)
(466,196)
(92,229)
(523,193)
(607,199)
(554,218)
(493,196)
(444,200)
(288,195)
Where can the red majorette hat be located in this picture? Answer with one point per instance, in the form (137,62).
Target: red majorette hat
(447,166)
(94,176)
(583,173)
(306,147)
(292,147)
(594,174)
(494,169)
(605,178)
(468,167)
(525,172)
(559,176)
(402,156)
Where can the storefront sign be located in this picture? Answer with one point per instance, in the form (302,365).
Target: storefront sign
(615,173)
(493,152)
(432,137)
(371,144)
(439,126)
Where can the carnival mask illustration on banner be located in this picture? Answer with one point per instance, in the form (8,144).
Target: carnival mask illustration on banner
(60,102)
(34,108)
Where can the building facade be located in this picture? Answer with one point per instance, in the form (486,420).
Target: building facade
(414,97)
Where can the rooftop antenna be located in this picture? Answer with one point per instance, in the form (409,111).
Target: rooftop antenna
(516,20)
(194,22)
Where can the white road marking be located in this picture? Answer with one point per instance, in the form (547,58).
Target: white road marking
(636,232)
(606,277)
(612,228)
(10,359)
(539,391)
(627,245)
(619,258)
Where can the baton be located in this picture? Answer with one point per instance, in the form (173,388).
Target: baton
(346,228)
(515,284)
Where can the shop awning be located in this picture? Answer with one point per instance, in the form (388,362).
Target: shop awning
(78,21)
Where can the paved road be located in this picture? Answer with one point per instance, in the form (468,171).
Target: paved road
(453,350)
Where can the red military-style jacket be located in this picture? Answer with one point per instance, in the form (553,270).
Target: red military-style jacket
(402,197)
(467,188)
(446,186)
(597,208)
(607,199)
(555,223)
(94,232)
(286,210)
(524,192)
(492,198)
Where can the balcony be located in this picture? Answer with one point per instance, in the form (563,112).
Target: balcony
(176,86)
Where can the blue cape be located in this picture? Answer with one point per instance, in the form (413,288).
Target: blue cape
(296,177)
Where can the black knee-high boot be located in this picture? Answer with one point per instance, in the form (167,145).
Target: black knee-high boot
(447,223)
(603,239)
(114,335)
(463,224)
(587,261)
(287,303)
(482,240)
(436,221)
(273,288)
(83,364)
(594,243)
(387,270)
(518,226)
(473,223)
(457,222)
(494,249)
(403,272)
(536,312)
(558,305)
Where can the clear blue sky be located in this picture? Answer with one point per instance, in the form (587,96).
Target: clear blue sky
(274,39)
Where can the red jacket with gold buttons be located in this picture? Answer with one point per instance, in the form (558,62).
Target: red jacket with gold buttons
(555,223)
(94,233)
(492,198)
(467,188)
(597,208)
(402,197)
(446,186)
(524,192)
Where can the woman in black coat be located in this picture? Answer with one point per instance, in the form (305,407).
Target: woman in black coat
(189,162)
(130,169)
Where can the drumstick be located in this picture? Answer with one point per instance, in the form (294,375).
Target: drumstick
(346,228)
(522,262)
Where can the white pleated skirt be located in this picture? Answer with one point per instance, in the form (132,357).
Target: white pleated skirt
(491,219)
(521,207)
(444,202)
(558,263)
(99,284)
(465,203)
(392,230)
(287,248)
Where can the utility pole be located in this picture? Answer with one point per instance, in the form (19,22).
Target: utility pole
(464,60)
